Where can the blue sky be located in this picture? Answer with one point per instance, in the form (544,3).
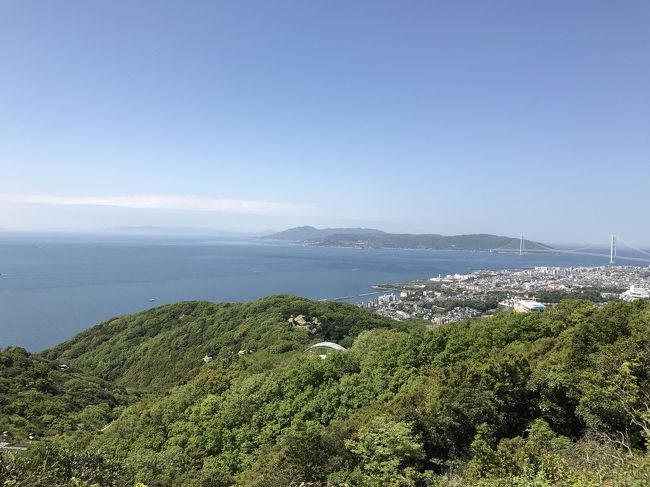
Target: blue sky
(417,116)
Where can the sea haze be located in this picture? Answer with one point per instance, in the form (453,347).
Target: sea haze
(52,287)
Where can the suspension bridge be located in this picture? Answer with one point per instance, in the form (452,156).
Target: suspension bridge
(613,255)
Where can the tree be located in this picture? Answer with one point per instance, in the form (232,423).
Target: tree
(387,453)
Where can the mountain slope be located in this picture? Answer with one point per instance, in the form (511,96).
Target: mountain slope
(157,348)
(532,381)
(46,398)
(554,399)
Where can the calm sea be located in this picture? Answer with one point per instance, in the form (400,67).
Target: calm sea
(52,287)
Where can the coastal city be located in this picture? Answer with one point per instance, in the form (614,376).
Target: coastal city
(457,297)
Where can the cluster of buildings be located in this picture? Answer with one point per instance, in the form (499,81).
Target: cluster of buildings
(459,313)
(389,304)
(553,278)
(612,281)
(482,292)
(418,305)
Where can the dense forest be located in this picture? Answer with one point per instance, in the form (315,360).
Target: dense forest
(206,395)
(39,397)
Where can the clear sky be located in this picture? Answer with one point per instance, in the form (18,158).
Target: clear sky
(413,116)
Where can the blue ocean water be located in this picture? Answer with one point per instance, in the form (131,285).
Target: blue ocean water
(52,287)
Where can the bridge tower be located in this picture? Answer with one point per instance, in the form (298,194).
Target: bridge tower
(521,244)
(612,250)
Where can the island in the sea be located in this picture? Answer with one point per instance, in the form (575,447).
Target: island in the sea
(377,239)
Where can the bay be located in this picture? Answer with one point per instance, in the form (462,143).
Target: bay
(54,286)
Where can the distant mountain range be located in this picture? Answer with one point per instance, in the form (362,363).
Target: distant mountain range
(149,230)
(373,238)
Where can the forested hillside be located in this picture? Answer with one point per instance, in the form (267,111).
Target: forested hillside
(39,397)
(554,399)
(153,350)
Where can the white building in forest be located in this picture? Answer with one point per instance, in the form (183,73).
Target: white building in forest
(635,293)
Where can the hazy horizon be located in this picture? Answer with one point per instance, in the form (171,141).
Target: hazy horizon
(102,234)
(451,118)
